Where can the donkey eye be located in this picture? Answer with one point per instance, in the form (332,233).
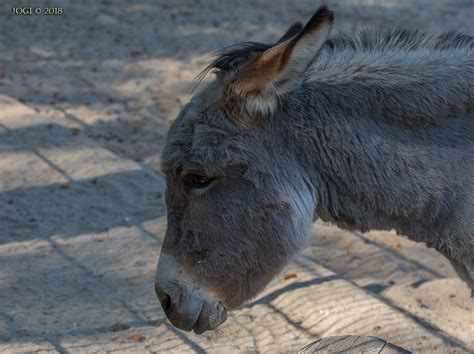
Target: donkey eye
(195,181)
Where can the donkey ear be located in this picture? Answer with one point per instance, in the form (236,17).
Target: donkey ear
(292,31)
(278,69)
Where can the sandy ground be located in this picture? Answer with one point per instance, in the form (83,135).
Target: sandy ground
(86,99)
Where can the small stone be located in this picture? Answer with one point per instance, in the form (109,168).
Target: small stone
(75,130)
(140,264)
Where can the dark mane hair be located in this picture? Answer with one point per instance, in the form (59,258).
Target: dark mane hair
(231,57)
(400,39)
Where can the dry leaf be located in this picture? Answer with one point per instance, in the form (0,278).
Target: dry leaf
(396,245)
(137,338)
(290,276)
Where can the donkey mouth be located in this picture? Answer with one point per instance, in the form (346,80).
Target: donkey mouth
(210,317)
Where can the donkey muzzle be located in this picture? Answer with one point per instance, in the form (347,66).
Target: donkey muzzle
(185,303)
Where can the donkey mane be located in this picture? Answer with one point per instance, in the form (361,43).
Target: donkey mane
(407,76)
(423,73)
(400,39)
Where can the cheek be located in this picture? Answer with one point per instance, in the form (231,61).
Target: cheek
(245,250)
(234,230)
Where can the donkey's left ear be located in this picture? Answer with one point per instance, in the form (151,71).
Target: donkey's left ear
(259,82)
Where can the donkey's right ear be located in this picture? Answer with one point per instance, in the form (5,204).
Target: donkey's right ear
(277,70)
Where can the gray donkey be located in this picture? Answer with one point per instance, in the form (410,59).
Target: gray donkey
(374,131)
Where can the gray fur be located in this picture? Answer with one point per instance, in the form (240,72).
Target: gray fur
(378,134)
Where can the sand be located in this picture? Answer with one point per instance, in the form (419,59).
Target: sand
(86,99)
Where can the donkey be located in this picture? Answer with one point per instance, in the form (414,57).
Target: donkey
(374,131)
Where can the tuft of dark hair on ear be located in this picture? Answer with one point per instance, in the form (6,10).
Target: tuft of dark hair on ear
(321,16)
(292,31)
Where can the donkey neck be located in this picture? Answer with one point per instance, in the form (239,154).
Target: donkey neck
(371,173)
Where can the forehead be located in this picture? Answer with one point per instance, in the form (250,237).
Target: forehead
(202,137)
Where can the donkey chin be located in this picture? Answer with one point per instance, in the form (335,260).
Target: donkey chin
(192,307)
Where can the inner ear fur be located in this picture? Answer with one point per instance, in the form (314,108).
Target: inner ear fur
(265,77)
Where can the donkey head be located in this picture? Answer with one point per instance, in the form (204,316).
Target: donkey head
(239,202)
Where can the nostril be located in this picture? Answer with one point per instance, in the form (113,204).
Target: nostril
(163,297)
(166,302)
